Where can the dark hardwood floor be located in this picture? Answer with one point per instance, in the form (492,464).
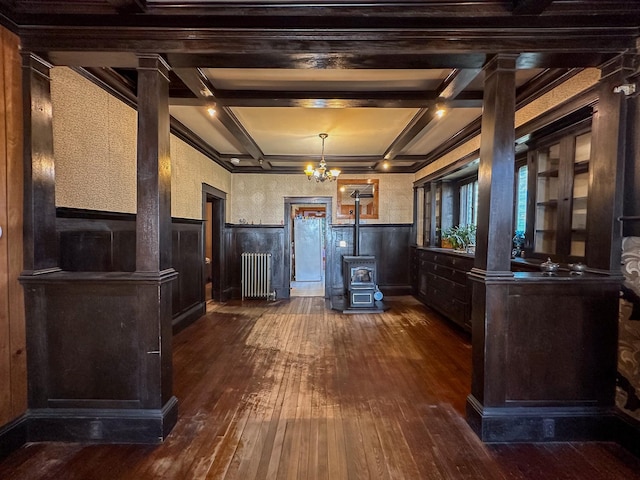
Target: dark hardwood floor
(292,390)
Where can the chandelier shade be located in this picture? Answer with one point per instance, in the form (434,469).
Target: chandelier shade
(322,173)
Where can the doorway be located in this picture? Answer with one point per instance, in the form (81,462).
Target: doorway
(308,250)
(307,258)
(213,213)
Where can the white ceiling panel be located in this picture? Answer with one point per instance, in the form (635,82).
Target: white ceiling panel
(352,131)
(325,80)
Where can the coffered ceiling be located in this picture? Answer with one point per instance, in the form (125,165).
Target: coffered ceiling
(370,74)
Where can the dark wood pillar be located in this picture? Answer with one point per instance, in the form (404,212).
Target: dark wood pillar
(153,221)
(493,238)
(496,170)
(608,150)
(40,245)
(153,228)
(544,347)
(632,166)
(99,343)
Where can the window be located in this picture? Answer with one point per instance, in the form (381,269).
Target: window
(521,198)
(469,203)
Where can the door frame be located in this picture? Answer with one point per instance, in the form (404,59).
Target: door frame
(328,204)
(218,199)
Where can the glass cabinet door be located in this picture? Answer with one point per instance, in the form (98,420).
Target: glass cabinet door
(427,216)
(561,185)
(546,206)
(582,154)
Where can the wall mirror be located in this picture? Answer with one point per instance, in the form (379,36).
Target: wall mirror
(346,202)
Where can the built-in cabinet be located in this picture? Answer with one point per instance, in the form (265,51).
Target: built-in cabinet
(558,189)
(442,284)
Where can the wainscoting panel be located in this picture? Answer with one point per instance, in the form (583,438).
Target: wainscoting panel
(93,241)
(254,239)
(388,243)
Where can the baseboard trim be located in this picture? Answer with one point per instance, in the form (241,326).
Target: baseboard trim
(13,435)
(144,426)
(628,432)
(540,424)
(186,318)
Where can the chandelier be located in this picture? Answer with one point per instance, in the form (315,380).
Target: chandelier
(321,173)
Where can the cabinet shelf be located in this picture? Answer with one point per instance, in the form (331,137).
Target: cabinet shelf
(581,167)
(560,188)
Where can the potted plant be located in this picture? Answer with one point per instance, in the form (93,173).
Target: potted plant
(461,237)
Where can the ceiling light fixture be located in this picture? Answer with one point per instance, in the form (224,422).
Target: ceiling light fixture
(211,110)
(440,110)
(321,173)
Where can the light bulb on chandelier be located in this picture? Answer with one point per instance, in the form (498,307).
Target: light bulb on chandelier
(321,173)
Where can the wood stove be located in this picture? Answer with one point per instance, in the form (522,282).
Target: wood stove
(360,280)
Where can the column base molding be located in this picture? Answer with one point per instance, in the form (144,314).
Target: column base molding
(540,424)
(145,426)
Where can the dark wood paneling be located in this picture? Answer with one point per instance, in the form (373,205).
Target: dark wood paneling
(544,357)
(388,243)
(256,239)
(92,241)
(188,261)
(99,341)
(85,347)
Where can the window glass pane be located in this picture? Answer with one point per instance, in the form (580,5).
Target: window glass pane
(469,203)
(521,199)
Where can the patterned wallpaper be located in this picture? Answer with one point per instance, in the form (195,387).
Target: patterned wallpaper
(628,380)
(95,151)
(189,170)
(94,144)
(260,198)
(576,84)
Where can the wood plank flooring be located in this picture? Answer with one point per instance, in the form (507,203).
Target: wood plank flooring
(292,390)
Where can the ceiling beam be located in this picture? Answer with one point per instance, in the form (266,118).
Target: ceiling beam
(456,82)
(423,119)
(314,99)
(129,6)
(530,7)
(426,119)
(198,83)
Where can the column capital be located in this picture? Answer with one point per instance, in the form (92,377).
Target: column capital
(501,61)
(153,61)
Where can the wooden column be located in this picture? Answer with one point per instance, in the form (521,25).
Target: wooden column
(496,170)
(153,229)
(544,347)
(99,344)
(493,238)
(632,166)
(40,245)
(606,179)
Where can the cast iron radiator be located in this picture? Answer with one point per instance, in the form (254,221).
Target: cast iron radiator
(256,276)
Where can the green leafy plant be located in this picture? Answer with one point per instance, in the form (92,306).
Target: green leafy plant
(460,236)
